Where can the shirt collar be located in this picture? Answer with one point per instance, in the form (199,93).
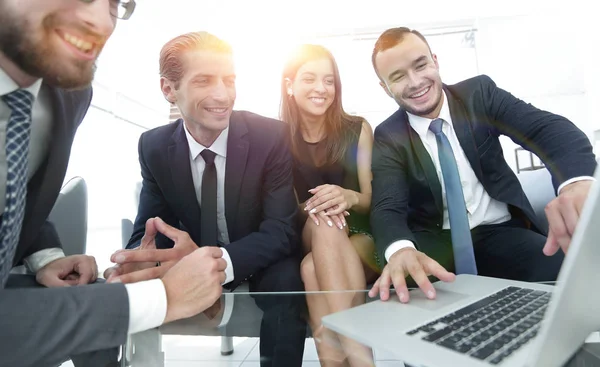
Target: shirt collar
(7,85)
(219,146)
(421,124)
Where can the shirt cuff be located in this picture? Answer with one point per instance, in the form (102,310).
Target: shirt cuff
(229,269)
(147,305)
(575,179)
(397,246)
(38,260)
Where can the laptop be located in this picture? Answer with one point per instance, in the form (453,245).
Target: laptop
(481,321)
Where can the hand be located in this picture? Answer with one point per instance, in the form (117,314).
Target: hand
(563,215)
(68,271)
(339,218)
(214,310)
(193,284)
(183,245)
(148,242)
(326,197)
(418,265)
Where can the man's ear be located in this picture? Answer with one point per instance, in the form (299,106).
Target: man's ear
(168,89)
(386,89)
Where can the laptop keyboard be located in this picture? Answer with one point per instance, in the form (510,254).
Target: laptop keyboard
(492,328)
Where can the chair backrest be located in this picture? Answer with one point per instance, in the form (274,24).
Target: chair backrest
(69,216)
(538,188)
(127,224)
(126,231)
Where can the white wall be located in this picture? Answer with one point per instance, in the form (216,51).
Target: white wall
(538,59)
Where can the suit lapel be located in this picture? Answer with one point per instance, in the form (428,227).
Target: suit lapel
(426,163)
(237,156)
(462,128)
(44,186)
(181,173)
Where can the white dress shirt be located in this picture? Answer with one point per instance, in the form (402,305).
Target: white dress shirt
(197,164)
(147,300)
(481,207)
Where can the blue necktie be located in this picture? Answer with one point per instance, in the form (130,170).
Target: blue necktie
(17,149)
(462,243)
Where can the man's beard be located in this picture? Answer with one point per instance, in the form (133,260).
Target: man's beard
(417,112)
(35,56)
(420,112)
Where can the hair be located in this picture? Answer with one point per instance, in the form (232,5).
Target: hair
(171,65)
(336,119)
(392,37)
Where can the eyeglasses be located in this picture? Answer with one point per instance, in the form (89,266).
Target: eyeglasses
(121,9)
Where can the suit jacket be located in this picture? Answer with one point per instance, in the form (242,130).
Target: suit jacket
(39,326)
(407,194)
(260,206)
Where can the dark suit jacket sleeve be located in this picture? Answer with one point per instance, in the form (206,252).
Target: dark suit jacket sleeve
(565,150)
(276,236)
(46,238)
(151,204)
(41,327)
(389,203)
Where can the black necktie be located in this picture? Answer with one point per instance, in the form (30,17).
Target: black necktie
(208,204)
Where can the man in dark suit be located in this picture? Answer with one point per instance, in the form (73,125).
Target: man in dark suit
(444,198)
(225,178)
(47,55)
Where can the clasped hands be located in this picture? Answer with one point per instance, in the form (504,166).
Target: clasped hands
(563,214)
(330,204)
(142,263)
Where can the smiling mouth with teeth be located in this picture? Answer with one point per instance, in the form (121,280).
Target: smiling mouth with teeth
(82,45)
(217,110)
(417,95)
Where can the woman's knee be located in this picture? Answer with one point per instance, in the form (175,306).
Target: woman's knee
(307,268)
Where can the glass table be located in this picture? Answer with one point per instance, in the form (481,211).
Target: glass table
(228,335)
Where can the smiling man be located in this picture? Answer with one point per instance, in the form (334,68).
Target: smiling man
(224,177)
(444,198)
(48,50)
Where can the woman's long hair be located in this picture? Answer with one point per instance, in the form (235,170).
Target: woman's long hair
(336,119)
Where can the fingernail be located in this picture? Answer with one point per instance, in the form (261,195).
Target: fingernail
(313,211)
(316,222)
(305,208)
(119,258)
(329,223)
(115,280)
(341,226)
(344,222)
(431,295)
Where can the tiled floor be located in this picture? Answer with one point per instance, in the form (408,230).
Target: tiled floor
(200,351)
(183,351)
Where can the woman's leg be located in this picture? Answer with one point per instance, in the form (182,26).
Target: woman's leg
(328,346)
(338,268)
(365,248)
